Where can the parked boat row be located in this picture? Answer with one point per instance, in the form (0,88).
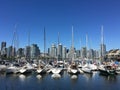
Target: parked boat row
(73,68)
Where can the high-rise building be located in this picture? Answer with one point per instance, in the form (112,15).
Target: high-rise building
(20,52)
(84,52)
(64,52)
(14,52)
(78,53)
(9,51)
(102,50)
(53,51)
(28,52)
(35,51)
(48,51)
(3,44)
(3,49)
(91,54)
(59,51)
(96,54)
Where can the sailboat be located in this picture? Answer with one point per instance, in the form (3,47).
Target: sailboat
(27,67)
(86,68)
(12,69)
(41,67)
(57,70)
(72,69)
(105,69)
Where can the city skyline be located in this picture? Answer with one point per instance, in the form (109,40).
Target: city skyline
(86,16)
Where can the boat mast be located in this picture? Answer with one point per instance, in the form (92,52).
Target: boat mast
(58,47)
(44,42)
(102,43)
(86,46)
(72,44)
(81,48)
(29,45)
(58,38)
(14,42)
(29,38)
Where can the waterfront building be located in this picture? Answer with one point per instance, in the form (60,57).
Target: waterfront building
(35,51)
(53,52)
(113,54)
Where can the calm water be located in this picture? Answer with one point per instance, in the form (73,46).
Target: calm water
(46,82)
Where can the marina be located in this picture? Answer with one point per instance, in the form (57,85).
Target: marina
(59,45)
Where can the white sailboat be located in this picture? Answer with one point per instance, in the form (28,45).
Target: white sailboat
(26,69)
(12,69)
(41,67)
(86,68)
(72,69)
(57,70)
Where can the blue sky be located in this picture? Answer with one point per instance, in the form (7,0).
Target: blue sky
(86,16)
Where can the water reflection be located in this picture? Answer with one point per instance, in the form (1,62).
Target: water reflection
(56,76)
(74,77)
(39,76)
(88,76)
(22,77)
(58,82)
(111,78)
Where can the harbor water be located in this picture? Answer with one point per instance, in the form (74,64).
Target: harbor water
(65,81)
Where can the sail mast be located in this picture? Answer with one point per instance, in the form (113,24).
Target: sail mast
(14,41)
(29,38)
(44,42)
(58,38)
(102,42)
(72,38)
(72,44)
(86,46)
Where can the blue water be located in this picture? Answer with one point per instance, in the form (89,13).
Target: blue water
(46,82)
